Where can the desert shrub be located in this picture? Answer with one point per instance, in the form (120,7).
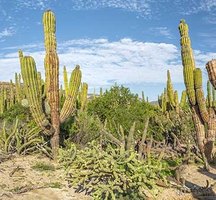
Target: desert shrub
(121,107)
(16,111)
(85,128)
(20,137)
(181,125)
(81,128)
(112,174)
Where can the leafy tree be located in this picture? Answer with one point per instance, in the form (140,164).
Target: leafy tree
(121,107)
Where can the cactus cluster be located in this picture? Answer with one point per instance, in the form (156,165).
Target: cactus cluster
(112,174)
(11,93)
(18,138)
(203,110)
(169,100)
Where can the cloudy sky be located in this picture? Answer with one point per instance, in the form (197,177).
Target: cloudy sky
(131,42)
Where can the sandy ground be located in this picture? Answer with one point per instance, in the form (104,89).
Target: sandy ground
(19,181)
(195,178)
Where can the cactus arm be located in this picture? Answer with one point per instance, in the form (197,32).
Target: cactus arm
(183,99)
(69,104)
(176,101)
(164,102)
(170,91)
(200,95)
(65,81)
(29,74)
(83,96)
(143,96)
(209,94)
(17,88)
(211,69)
(187,61)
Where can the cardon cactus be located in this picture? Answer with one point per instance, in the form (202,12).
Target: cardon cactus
(204,117)
(32,86)
(187,61)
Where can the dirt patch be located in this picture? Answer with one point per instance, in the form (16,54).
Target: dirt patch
(24,178)
(201,183)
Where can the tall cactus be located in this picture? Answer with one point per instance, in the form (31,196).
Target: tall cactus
(32,84)
(170,91)
(203,116)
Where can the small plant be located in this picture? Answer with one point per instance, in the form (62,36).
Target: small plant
(55,185)
(19,137)
(41,166)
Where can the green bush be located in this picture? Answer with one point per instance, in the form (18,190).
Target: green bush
(181,125)
(120,107)
(19,137)
(16,111)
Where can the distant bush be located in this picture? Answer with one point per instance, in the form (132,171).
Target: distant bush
(16,111)
(121,107)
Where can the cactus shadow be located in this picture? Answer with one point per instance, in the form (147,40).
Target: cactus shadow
(201,193)
(208,173)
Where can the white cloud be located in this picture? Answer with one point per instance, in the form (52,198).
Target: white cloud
(104,62)
(7,32)
(163,31)
(195,6)
(140,6)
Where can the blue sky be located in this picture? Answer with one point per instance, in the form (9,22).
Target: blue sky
(131,42)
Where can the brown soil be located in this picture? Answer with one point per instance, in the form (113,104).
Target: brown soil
(19,181)
(196,179)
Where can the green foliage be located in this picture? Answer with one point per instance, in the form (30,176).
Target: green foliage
(180,125)
(41,166)
(66,156)
(16,111)
(19,137)
(109,174)
(120,106)
(85,128)
(55,185)
(82,128)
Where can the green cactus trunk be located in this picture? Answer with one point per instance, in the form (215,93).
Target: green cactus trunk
(204,118)
(45,103)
